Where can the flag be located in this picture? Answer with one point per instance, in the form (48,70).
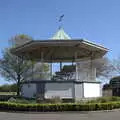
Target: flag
(61,17)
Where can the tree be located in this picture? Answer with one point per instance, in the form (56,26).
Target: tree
(116,65)
(115,80)
(16,69)
(20,39)
(8,88)
(103,67)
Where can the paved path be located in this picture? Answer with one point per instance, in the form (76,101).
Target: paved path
(61,116)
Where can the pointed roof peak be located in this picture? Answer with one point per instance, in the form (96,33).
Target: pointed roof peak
(60,35)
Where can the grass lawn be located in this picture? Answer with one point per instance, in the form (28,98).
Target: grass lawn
(8,93)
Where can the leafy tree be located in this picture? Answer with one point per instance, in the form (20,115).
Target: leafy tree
(8,88)
(20,39)
(13,88)
(14,68)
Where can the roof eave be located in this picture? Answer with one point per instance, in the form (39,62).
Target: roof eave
(13,50)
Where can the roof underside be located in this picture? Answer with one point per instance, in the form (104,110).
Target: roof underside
(59,50)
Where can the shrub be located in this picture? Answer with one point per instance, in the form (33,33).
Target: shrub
(6,97)
(58,107)
(8,88)
(104,99)
(55,99)
(22,100)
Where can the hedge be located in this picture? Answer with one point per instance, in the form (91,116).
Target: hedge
(6,97)
(6,106)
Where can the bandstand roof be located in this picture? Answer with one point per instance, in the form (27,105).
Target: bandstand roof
(61,35)
(60,49)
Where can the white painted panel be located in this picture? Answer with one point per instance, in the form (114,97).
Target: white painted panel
(78,91)
(62,90)
(92,90)
(29,90)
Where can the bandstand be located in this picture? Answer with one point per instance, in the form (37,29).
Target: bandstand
(75,84)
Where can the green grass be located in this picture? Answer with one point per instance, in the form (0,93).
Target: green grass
(8,93)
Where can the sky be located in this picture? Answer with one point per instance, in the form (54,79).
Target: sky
(95,20)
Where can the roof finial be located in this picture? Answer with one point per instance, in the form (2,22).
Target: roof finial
(60,21)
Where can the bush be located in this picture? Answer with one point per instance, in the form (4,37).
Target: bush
(6,97)
(21,100)
(104,99)
(6,106)
(8,88)
(55,99)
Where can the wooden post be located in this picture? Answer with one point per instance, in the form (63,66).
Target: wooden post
(92,77)
(60,66)
(76,66)
(73,62)
(42,55)
(32,67)
(50,70)
(32,71)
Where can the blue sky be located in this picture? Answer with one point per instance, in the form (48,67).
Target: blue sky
(95,20)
